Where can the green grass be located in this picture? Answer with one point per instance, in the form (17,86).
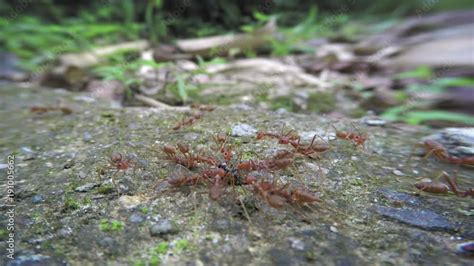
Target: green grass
(111,226)
(181,245)
(71,204)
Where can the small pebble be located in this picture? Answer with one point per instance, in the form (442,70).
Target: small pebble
(397,172)
(86,137)
(87,187)
(26,150)
(35,259)
(162,228)
(136,218)
(243,130)
(38,198)
(297,244)
(83,98)
(375,122)
(425,219)
(333,229)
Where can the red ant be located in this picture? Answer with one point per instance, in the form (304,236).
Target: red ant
(201,107)
(277,197)
(189,161)
(185,161)
(282,138)
(221,140)
(188,121)
(185,180)
(435,148)
(312,148)
(468,161)
(440,187)
(357,138)
(42,109)
(281,160)
(117,161)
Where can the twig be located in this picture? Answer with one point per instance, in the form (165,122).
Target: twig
(154,103)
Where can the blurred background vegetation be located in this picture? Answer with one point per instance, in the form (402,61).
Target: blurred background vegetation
(38,32)
(31,28)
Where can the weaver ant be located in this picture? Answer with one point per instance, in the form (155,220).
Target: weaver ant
(188,121)
(221,141)
(188,160)
(43,109)
(441,187)
(201,107)
(356,138)
(117,162)
(435,148)
(277,197)
(282,138)
(313,147)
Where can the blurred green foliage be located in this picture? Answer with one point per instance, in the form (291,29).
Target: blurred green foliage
(38,31)
(425,81)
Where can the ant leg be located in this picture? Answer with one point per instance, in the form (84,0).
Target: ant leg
(411,152)
(282,128)
(112,178)
(312,141)
(245,210)
(452,182)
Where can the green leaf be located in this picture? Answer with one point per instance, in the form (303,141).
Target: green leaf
(260,16)
(418,117)
(422,72)
(454,82)
(247,28)
(395,113)
(181,88)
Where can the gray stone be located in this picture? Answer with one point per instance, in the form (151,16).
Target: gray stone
(221,225)
(297,244)
(243,130)
(397,172)
(375,122)
(35,259)
(109,244)
(399,197)
(458,141)
(87,137)
(136,218)
(86,187)
(38,198)
(425,219)
(163,227)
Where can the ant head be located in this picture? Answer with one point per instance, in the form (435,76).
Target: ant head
(183,148)
(227,155)
(360,139)
(249,179)
(220,138)
(284,140)
(168,149)
(122,165)
(116,157)
(220,172)
(197,115)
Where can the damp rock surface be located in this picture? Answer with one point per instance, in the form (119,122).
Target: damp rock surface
(68,211)
(424,219)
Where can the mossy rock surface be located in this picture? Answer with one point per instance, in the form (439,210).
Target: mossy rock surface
(56,153)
